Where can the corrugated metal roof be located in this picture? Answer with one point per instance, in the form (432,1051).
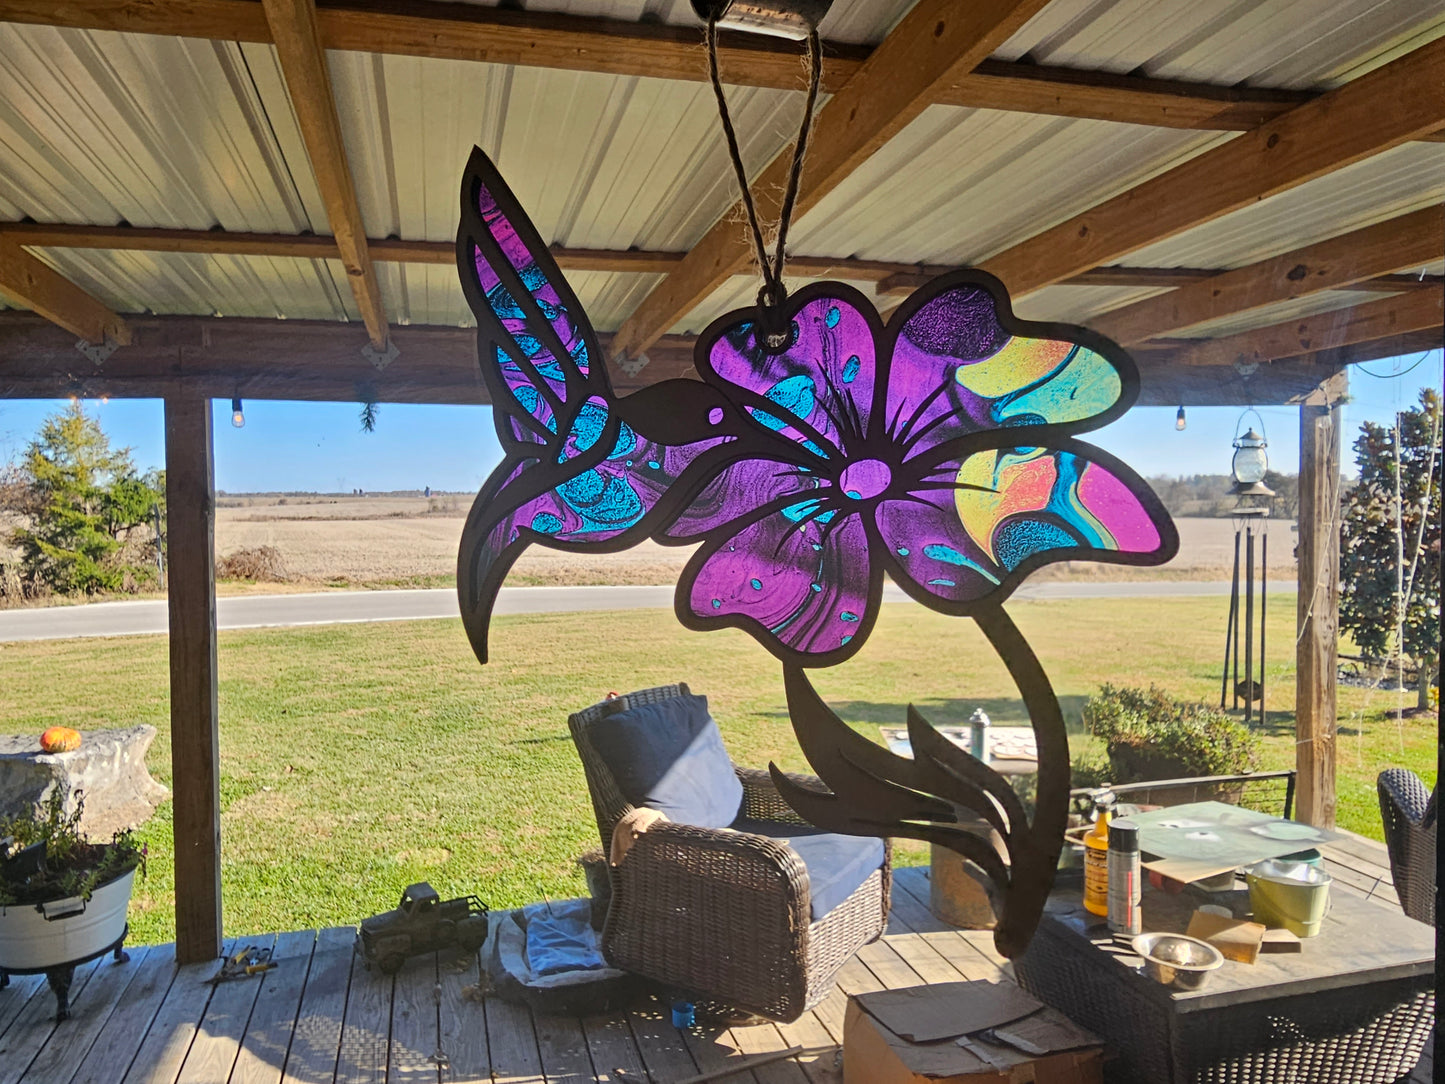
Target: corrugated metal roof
(106,127)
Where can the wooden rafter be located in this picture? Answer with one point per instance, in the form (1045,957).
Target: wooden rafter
(29,281)
(936,42)
(1386,107)
(1410,240)
(303,62)
(578,43)
(1419,310)
(892,277)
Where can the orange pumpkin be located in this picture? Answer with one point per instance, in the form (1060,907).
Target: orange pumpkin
(60,739)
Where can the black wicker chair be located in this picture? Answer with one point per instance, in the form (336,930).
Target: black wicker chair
(1408,811)
(722,914)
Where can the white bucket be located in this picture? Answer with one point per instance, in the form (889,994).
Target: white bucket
(37,936)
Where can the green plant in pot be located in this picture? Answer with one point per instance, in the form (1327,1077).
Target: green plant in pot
(1150,735)
(63,898)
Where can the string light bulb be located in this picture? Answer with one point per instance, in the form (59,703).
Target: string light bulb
(1179,422)
(238,417)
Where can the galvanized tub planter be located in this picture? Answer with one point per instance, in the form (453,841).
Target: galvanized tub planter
(56,936)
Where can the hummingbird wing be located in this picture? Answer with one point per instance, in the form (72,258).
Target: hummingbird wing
(583,470)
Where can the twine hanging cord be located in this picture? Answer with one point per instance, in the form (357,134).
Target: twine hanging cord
(772,294)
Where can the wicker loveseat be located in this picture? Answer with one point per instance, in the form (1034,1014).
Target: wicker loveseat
(1408,811)
(726,914)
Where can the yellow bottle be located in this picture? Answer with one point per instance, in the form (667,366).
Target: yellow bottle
(1096,861)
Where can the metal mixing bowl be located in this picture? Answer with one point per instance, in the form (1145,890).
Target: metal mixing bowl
(1178,961)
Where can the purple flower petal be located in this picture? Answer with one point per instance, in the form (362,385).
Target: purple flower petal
(802,587)
(738,491)
(957,370)
(821,389)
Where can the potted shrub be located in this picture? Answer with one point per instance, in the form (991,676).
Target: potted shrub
(63,899)
(1150,735)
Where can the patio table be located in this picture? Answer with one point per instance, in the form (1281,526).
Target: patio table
(1355,1005)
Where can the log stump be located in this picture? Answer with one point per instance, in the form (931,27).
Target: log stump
(109,769)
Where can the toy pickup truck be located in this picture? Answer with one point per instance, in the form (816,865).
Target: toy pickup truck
(421,923)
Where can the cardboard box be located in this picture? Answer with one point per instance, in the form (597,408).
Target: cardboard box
(964,1032)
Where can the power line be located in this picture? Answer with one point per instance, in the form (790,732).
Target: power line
(1395,376)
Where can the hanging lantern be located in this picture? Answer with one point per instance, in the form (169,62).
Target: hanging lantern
(794,19)
(1250,465)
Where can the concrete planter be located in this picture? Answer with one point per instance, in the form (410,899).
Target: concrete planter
(37,937)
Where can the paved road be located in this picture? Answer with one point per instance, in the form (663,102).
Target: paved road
(343,607)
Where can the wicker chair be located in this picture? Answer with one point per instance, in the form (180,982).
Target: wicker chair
(1408,811)
(721,914)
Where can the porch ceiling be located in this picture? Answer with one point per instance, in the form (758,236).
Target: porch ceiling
(177,116)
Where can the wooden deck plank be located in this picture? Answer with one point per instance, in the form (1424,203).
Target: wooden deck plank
(664,1052)
(615,1057)
(14,998)
(714,1048)
(316,1038)
(262,1056)
(35,1025)
(513,1043)
(366,1027)
(1371,888)
(411,1053)
(563,1049)
(462,1027)
(1362,847)
(218,1039)
(820,1059)
(948,941)
(914,882)
(170,1033)
(125,1030)
(766,1039)
(59,1059)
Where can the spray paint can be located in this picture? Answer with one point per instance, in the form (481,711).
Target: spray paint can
(1125,916)
(978,734)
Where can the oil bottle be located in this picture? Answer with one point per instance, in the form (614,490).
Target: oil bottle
(1096,857)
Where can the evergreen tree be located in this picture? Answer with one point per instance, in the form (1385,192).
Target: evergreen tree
(1370,596)
(82,499)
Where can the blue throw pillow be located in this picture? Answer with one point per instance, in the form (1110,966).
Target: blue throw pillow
(669,756)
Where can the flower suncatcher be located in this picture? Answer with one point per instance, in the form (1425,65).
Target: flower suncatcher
(938,449)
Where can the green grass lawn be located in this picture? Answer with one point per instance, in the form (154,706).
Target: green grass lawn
(358,758)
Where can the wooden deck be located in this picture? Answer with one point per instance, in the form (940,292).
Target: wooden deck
(320,1018)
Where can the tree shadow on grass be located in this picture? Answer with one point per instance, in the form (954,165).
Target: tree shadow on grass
(947,711)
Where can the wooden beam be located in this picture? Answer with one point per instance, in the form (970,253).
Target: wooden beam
(29,281)
(317,361)
(582,43)
(308,82)
(195,733)
(309,360)
(1407,241)
(1419,310)
(1394,103)
(1318,607)
(936,42)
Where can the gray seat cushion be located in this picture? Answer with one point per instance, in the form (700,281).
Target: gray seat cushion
(837,864)
(669,756)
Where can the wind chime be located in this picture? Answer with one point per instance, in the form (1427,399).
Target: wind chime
(1251,521)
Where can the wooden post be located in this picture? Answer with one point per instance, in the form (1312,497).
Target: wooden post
(195,746)
(1319,602)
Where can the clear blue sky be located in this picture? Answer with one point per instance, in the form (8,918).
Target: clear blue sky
(320,446)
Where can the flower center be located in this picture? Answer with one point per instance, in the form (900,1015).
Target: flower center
(864,479)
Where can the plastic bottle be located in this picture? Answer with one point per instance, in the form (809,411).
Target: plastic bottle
(1096,858)
(1124,887)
